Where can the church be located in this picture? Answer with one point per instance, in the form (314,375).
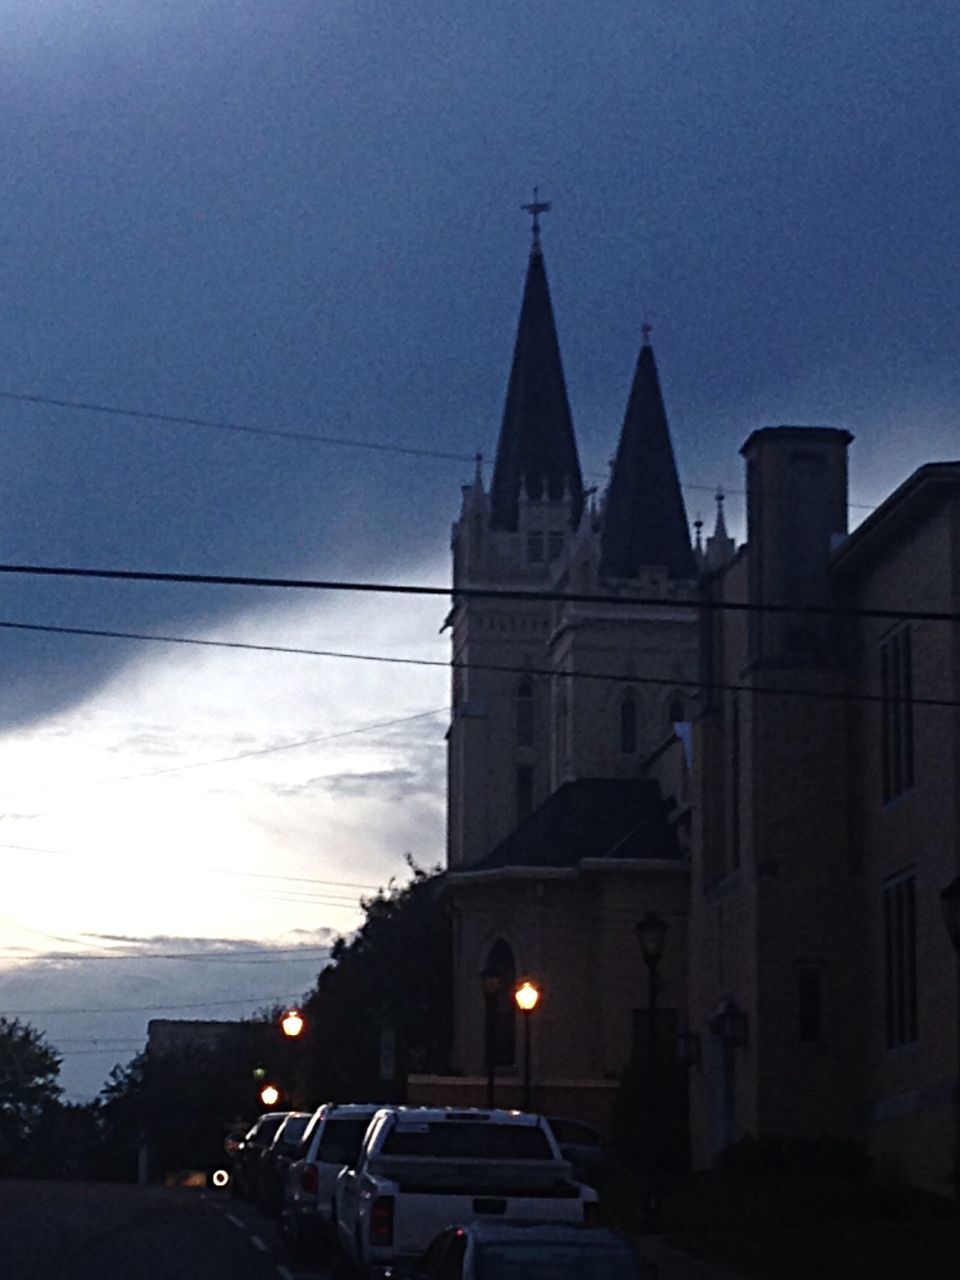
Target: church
(704,797)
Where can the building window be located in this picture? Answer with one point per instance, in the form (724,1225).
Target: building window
(525,715)
(896,711)
(500,1031)
(555,543)
(675,711)
(535,548)
(900,960)
(628,725)
(808,1005)
(735,781)
(524,790)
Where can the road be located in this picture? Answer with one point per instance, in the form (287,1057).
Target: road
(85,1231)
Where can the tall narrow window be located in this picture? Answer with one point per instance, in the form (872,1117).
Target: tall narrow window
(525,715)
(535,547)
(675,710)
(524,790)
(734,781)
(896,712)
(501,1011)
(900,960)
(628,724)
(555,543)
(808,1005)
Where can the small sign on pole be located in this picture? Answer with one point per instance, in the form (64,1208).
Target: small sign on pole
(388,1054)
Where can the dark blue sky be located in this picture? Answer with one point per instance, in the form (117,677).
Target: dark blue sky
(306,216)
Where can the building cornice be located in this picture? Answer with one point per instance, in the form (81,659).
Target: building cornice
(918,497)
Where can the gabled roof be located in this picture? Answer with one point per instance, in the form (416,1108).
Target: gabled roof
(644,519)
(903,510)
(537,451)
(611,818)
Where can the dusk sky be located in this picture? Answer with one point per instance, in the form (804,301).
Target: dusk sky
(304,217)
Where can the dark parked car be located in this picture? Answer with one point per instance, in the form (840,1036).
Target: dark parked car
(246,1162)
(532,1251)
(275,1161)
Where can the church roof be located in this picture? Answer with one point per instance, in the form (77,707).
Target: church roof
(611,818)
(537,451)
(644,519)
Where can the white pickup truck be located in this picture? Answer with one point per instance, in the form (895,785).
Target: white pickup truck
(421,1169)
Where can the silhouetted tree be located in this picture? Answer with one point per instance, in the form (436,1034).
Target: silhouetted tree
(29,1068)
(393,975)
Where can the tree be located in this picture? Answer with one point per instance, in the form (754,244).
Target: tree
(393,975)
(29,1068)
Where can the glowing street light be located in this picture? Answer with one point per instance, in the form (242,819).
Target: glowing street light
(269,1095)
(526,997)
(292,1023)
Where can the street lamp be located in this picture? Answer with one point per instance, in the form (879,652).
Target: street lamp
(950,905)
(729,1024)
(490,985)
(527,997)
(291,1024)
(652,932)
(269,1095)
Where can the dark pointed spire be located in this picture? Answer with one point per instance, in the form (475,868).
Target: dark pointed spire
(537,451)
(644,522)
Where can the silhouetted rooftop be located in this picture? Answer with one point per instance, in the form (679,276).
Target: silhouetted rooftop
(537,451)
(589,818)
(644,520)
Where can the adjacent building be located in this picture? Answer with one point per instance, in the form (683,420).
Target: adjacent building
(759,745)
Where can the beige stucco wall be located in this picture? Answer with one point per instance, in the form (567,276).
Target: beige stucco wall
(909,1112)
(575,935)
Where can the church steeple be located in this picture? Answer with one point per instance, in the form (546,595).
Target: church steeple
(644,520)
(537,451)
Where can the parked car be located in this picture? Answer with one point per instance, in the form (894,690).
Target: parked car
(331,1140)
(276,1160)
(246,1162)
(422,1168)
(532,1251)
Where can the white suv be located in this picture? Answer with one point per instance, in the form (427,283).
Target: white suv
(330,1141)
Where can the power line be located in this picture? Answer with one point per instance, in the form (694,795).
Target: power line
(270,999)
(236,428)
(236,957)
(203,764)
(295,435)
(464,593)
(503,668)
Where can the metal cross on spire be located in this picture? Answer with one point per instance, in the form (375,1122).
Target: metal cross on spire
(535,208)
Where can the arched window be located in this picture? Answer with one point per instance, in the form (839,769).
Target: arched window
(500,1038)
(628,724)
(525,714)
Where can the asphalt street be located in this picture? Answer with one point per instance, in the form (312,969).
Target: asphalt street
(84,1231)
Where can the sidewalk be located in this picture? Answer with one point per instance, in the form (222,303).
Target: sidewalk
(674,1264)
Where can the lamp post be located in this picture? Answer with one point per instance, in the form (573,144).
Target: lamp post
(527,997)
(950,905)
(652,932)
(490,985)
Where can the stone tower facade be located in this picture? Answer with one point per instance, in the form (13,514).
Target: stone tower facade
(551,691)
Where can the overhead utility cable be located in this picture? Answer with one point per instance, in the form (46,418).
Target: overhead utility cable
(474,593)
(277,433)
(625,677)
